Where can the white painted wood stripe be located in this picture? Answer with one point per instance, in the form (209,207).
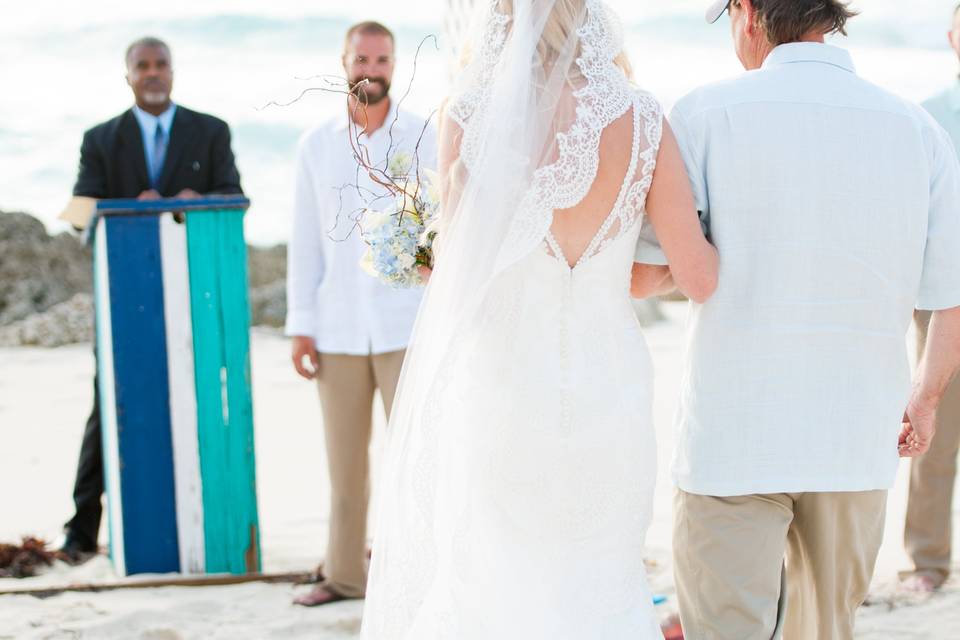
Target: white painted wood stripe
(108,400)
(183,395)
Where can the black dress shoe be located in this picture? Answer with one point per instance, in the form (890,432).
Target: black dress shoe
(77,551)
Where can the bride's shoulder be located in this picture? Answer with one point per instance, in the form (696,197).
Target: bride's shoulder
(648,103)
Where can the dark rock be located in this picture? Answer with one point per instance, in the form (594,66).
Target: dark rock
(38,271)
(267,269)
(268,304)
(65,323)
(266,265)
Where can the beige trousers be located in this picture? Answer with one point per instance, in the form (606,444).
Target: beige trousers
(729,563)
(932,477)
(347,384)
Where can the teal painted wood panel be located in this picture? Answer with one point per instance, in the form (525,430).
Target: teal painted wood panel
(236,328)
(221,312)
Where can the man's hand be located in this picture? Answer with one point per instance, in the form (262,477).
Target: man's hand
(187,194)
(647,280)
(304,348)
(938,364)
(149,194)
(919,425)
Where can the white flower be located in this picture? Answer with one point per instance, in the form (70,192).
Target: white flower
(372,220)
(406,260)
(433,186)
(399,164)
(366,263)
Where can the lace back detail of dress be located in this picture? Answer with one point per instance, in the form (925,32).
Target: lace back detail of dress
(602,97)
(631,200)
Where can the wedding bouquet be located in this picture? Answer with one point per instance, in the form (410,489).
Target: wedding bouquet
(400,237)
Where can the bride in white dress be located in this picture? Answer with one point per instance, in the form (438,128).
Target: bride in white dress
(521,459)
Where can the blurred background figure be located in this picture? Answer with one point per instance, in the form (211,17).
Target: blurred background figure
(350,331)
(154,149)
(932,476)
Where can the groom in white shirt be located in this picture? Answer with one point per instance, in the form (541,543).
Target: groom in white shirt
(349,331)
(835,208)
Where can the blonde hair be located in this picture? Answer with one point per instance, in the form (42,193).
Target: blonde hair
(565,18)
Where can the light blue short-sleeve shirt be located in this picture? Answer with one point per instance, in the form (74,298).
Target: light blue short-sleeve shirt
(835,208)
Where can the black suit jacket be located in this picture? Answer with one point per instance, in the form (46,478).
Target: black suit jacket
(113,165)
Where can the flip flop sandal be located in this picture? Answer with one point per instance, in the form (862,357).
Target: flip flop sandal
(319,596)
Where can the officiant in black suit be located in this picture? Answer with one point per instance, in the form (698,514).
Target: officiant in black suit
(155,149)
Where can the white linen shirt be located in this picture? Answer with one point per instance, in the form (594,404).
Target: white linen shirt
(835,208)
(329,296)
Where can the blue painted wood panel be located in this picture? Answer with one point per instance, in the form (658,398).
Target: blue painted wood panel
(142,394)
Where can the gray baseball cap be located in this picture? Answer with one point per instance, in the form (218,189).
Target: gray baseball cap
(716,10)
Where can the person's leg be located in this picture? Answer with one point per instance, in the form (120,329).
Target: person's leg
(927,531)
(82,529)
(728,564)
(832,549)
(386,372)
(346,394)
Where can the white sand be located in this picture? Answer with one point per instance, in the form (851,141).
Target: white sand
(44,399)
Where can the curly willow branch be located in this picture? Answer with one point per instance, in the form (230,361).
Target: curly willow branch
(357,106)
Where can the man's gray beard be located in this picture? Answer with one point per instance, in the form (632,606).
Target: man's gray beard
(153,98)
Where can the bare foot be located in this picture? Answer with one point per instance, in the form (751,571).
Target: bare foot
(320,595)
(920,583)
(318,576)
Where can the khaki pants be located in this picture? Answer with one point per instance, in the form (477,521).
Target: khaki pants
(347,385)
(729,563)
(932,477)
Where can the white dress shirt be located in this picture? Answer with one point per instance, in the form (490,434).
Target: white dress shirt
(835,207)
(329,297)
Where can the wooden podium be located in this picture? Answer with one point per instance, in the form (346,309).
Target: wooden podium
(173,347)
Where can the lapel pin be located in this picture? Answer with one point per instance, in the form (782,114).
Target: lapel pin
(196,165)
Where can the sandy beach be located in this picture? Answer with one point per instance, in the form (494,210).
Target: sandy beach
(45,396)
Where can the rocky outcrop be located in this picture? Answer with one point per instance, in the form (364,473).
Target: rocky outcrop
(268,304)
(38,271)
(267,273)
(65,323)
(46,283)
(45,286)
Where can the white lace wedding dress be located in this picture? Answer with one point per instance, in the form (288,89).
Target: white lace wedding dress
(534,484)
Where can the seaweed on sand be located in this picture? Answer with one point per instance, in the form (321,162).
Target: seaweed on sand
(22,560)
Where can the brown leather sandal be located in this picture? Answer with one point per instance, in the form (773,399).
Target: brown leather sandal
(319,595)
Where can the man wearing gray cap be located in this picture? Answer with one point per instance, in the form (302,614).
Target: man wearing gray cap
(835,208)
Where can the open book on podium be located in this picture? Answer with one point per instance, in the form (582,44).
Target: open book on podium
(79,211)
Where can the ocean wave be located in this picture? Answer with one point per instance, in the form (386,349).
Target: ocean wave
(228,31)
(916,32)
(325,33)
